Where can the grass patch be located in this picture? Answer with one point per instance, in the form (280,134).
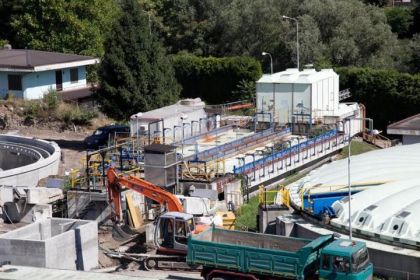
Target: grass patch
(246,217)
(357,147)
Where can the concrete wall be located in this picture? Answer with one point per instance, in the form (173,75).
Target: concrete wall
(53,243)
(49,154)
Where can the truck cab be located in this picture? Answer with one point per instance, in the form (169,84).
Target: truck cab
(344,259)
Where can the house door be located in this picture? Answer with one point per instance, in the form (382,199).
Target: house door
(59,80)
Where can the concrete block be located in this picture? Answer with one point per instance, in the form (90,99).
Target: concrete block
(26,213)
(195,205)
(53,243)
(285,226)
(43,195)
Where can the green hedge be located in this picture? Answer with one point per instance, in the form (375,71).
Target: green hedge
(217,80)
(388,95)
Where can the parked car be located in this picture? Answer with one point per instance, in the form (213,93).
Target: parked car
(106,134)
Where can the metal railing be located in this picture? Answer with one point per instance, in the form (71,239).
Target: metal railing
(278,196)
(320,139)
(229,148)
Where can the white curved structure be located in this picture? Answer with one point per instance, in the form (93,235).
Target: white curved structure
(24,161)
(388,206)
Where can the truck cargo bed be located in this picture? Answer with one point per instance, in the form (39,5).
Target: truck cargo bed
(250,239)
(260,254)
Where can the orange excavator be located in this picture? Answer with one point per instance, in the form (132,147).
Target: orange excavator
(171,228)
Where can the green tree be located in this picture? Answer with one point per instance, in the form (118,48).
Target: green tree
(401,20)
(186,25)
(76,26)
(7,10)
(217,80)
(415,28)
(415,54)
(389,96)
(135,75)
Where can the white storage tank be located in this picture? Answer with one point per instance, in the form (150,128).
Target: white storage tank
(309,92)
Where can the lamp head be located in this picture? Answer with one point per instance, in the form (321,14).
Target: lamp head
(264,53)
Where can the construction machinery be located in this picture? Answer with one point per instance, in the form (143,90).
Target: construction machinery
(233,255)
(172,228)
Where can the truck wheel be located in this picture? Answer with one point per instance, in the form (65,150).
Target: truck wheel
(149,264)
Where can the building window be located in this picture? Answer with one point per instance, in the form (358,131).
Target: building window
(15,82)
(74,75)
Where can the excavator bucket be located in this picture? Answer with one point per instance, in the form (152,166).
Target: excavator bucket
(123,233)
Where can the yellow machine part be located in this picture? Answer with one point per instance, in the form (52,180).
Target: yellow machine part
(228,219)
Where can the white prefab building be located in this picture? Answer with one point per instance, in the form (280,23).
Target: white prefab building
(177,120)
(294,93)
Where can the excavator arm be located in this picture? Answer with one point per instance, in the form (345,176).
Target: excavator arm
(118,182)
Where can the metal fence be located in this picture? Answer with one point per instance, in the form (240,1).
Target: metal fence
(288,151)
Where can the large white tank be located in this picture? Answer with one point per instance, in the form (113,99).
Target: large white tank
(293,92)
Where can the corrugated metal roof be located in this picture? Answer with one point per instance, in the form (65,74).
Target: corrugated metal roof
(289,76)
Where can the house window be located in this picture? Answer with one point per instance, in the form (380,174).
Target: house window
(74,75)
(15,82)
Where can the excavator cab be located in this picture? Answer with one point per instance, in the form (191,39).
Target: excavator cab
(171,232)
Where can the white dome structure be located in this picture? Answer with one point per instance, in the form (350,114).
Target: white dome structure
(388,205)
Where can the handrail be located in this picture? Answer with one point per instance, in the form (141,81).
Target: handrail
(296,148)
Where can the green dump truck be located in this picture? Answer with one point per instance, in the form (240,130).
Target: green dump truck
(227,254)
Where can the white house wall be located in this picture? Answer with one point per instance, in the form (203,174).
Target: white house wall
(37,84)
(81,82)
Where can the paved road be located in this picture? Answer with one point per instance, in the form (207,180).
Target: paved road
(161,275)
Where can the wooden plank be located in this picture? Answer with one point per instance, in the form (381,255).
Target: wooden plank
(135,214)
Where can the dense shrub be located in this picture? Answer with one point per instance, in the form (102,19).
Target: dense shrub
(72,114)
(216,80)
(51,99)
(389,96)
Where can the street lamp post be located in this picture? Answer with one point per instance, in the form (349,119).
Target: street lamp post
(348,168)
(271,60)
(297,37)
